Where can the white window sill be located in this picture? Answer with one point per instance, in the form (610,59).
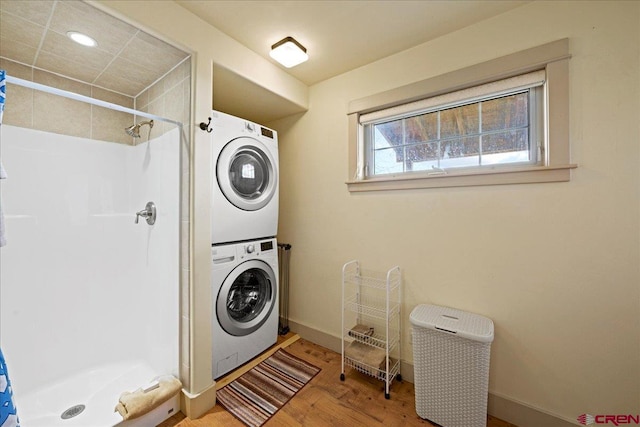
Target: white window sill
(494,176)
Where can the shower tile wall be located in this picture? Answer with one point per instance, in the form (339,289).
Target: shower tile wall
(170,97)
(34,109)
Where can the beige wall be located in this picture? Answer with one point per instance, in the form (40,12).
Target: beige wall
(554,265)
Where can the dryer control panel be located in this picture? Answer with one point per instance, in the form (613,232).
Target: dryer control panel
(266,132)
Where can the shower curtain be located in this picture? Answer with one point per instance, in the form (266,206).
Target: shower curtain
(3,174)
(8,412)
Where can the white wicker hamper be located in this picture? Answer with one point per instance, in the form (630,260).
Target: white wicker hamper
(451,350)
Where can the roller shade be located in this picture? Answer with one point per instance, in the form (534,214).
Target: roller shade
(469,95)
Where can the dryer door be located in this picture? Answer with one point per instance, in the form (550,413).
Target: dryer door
(247,173)
(246,298)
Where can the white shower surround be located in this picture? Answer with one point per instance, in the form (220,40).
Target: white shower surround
(81,285)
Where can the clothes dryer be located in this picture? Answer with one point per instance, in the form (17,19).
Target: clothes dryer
(244,280)
(244,203)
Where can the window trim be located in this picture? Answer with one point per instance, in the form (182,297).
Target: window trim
(534,127)
(552,57)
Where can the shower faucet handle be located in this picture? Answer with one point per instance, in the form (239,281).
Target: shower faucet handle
(142,213)
(149,213)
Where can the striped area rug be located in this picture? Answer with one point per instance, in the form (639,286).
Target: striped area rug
(261,392)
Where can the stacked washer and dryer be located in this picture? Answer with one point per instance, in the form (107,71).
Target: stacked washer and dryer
(244,251)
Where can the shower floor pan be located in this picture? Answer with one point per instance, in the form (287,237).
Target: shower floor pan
(89,399)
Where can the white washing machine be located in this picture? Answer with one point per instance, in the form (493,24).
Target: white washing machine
(244,203)
(244,279)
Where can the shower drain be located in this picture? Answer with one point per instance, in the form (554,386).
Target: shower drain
(74,411)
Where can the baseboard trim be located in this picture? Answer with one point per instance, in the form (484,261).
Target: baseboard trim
(524,415)
(502,407)
(196,405)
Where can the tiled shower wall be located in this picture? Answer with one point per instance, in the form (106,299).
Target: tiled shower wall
(34,109)
(170,97)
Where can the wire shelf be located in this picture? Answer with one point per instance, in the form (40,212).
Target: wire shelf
(375,372)
(372,279)
(371,304)
(375,340)
(374,307)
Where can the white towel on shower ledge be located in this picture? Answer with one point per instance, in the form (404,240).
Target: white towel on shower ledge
(137,403)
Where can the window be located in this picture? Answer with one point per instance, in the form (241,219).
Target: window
(475,132)
(495,124)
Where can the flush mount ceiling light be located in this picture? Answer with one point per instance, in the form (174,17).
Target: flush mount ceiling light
(289,52)
(82,39)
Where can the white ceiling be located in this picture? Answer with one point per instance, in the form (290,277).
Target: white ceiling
(342,35)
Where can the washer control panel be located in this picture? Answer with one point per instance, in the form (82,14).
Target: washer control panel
(266,246)
(255,249)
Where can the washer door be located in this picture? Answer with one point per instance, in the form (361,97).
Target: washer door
(246,298)
(246,173)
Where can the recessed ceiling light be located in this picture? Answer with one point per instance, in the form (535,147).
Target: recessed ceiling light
(82,39)
(289,52)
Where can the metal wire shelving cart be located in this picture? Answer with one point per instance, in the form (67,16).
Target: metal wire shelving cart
(371,323)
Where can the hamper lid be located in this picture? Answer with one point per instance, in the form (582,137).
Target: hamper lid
(445,319)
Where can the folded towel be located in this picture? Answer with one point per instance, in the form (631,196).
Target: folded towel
(363,353)
(383,368)
(361,333)
(360,330)
(383,364)
(139,402)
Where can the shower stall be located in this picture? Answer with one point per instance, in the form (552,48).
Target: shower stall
(89,289)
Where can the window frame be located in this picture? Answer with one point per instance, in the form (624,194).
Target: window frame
(555,157)
(535,131)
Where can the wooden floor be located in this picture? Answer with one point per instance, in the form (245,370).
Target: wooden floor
(326,401)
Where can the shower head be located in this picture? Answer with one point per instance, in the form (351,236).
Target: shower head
(134,130)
